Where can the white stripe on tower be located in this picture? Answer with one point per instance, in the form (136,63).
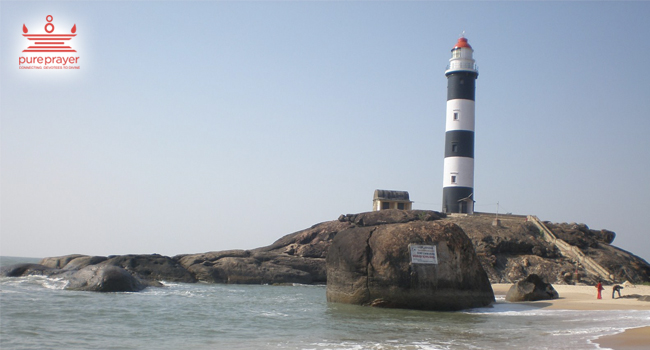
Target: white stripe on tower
(458,183)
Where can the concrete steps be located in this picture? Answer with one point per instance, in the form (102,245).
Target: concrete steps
(572,252)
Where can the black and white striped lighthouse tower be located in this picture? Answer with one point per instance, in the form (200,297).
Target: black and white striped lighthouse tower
(458,183)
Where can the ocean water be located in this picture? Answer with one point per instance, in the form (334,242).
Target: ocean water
(37,313)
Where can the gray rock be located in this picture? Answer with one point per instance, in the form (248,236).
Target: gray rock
(257,268)
(508,253)
(153,267)
(96,278)
(392,216)
(504,250)
(59,262)
(19,270)
(295,258)
(372,266)
(105,278)
(531,288)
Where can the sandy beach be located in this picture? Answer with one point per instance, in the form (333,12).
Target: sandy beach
(584,298)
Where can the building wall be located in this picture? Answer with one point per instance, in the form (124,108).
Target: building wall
(378,204)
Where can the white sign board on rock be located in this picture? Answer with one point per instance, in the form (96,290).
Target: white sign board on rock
(423,254)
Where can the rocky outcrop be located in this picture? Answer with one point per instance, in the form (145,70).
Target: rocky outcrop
(596,244)
(532,288)
(384,217)
(154,267)
(516,248)
(580,235)
(96,278)
(60,262)
(19,270)
(372,265)
(252,267)
(508,253)
(295,258)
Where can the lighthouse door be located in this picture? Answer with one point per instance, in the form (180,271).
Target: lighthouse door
(462,207)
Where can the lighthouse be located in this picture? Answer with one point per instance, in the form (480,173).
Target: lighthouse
(458,182)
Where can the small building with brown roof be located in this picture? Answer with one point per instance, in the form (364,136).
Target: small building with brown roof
(385,199)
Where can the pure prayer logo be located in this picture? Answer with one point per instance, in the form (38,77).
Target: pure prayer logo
(49,50)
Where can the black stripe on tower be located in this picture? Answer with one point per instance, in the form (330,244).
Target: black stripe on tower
(451,197)
(461,85)
(459,143)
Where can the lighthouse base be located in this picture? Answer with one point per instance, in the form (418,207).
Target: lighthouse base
(458,200)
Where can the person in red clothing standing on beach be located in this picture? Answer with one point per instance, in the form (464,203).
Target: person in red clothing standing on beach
(600,288)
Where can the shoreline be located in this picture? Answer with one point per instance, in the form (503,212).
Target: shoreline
(583,298)
(629,339)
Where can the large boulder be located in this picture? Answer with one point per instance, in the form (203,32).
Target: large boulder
(373,265)
(95,278)
(105,278)
(531,288)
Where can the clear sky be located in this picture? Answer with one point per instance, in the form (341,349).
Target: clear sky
(201,126)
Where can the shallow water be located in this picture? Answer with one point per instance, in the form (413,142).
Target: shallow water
(36,313)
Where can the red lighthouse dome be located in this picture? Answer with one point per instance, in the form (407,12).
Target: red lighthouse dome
(462,42)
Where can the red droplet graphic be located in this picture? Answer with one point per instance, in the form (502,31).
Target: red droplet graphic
(24,29)
(74,29)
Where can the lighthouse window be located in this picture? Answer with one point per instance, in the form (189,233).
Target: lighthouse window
(453,179)
(456,115)
(454,147)
(455,53)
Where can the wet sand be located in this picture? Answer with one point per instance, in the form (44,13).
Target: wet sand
(631,339)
